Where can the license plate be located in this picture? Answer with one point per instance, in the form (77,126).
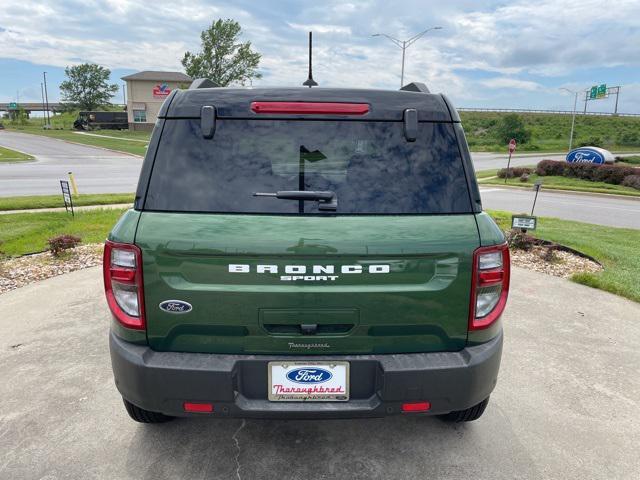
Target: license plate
(308,381)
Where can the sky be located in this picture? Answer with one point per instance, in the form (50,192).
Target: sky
(488,54)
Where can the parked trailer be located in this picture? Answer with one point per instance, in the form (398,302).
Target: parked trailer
(102,120)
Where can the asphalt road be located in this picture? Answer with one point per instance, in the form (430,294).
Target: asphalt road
(101,171)
(96,170)
(613,211)
(566,405)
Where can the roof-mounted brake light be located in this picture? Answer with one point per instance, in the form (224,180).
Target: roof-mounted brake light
(310,108)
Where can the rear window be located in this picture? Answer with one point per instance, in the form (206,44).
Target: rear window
(369,165)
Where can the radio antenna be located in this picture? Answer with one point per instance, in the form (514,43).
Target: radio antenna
(310,82)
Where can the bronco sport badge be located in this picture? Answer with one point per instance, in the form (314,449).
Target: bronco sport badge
(320,273)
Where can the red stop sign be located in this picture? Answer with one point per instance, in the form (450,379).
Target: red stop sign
(512,145)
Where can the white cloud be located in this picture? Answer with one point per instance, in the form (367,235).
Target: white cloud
(319,28)
(522,45)
(506,82)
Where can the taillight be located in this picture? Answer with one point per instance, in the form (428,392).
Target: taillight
(489,285)
(122,270)
(311,108)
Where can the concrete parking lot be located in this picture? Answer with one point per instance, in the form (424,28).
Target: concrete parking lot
(566,405)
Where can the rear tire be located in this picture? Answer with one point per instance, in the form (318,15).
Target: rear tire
(145,416)
(468,415)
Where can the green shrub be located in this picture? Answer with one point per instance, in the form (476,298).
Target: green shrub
(518,240)
(60,243)
(613,174)
(512,126)
(632,181)
(551,168)
(514,172)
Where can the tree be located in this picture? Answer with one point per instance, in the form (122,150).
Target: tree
(87,86)
(223,58)
(512,126)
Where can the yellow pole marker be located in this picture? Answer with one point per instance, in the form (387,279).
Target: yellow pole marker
(74,187)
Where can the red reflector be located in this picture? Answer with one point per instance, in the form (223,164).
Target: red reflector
(416,407)
(311,108)
(123,274)
(491,276)
(198,407)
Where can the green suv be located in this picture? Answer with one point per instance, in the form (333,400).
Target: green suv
(306,253)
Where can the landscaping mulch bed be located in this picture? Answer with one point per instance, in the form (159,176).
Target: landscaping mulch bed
(21,271)
(561,264)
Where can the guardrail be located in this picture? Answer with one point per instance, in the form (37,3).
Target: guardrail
(561,112)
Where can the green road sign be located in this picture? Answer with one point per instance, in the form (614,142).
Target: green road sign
(593,94)
(13,105)
(602,90)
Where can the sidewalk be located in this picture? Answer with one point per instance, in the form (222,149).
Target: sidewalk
(62,209)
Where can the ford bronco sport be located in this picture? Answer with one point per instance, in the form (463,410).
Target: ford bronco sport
(306,253)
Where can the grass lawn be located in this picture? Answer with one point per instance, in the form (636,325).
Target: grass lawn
(124,134)
(9,156)
(23,233)
(52,201)
(129,144)
(615,248)
(632,161)
(486,173)
(566,183)
(550,132)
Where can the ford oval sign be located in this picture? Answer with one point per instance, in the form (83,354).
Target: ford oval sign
(309,375)
(587,155)
(175,306)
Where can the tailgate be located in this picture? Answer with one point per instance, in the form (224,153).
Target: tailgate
(261,284)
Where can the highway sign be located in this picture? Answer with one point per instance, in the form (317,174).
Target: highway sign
(13,105)
(512,145)
(598,91)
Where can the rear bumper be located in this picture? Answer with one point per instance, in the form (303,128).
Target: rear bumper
(237,384)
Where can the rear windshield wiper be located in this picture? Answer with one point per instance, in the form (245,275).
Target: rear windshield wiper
(327,200)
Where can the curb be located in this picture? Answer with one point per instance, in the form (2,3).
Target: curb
(79,208)
(570,192)
(75,143)
(95,146)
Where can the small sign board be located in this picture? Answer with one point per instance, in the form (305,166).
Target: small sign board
(66,196)
(525,222)
(512,145)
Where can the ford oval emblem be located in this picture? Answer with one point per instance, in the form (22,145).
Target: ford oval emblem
(175,306)
(586,155)
(309,375)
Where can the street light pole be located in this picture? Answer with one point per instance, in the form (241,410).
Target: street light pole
(404,44)
(43,110)
(573,117)
(46,98)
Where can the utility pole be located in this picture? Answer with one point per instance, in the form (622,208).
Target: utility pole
(46,99)
(573,117)
(404,44)
(43,110)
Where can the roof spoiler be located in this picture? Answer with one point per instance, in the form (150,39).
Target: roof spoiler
(415,87)
(202,83)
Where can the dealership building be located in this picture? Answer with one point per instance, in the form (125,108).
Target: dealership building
(145,93)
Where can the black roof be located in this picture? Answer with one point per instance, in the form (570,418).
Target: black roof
(386,105)
(158,76)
